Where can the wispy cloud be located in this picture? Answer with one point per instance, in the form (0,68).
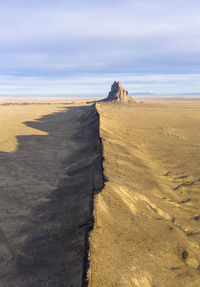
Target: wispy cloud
(91,84)
(45,42)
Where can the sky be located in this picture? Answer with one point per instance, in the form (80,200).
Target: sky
(54,48)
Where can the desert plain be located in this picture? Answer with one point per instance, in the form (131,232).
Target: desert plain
(147,217)
(106,193)
(50,169)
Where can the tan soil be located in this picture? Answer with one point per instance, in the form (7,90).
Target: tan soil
(147,218)
(12,118)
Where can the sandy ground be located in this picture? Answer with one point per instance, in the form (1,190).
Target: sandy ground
(46,100)
(48,176)
(147,218)
(12,122)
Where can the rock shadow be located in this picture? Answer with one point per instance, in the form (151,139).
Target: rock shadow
(47,189)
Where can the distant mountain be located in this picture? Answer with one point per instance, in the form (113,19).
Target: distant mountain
(118,94)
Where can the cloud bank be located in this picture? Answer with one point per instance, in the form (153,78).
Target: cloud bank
(63,47)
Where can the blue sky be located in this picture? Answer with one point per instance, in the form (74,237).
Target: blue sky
(50,47)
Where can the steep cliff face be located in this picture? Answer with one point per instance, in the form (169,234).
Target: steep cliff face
(119,94)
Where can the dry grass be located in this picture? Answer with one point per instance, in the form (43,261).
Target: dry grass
(147,230)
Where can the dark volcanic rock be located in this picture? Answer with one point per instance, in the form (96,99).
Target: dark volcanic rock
(118,94)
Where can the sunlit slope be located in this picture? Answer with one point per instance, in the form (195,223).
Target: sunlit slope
(147,218)
(12,118)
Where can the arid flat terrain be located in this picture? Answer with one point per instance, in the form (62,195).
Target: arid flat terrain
(146,205)
(50,169)
(13,118)
(147,217)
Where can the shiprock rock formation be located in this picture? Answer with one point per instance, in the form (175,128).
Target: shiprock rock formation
(118,94)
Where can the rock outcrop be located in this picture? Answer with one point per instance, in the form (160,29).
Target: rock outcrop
(118,94)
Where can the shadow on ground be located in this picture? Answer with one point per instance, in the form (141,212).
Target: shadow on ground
(46,201)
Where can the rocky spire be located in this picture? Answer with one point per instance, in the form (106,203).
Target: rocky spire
(118,94)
